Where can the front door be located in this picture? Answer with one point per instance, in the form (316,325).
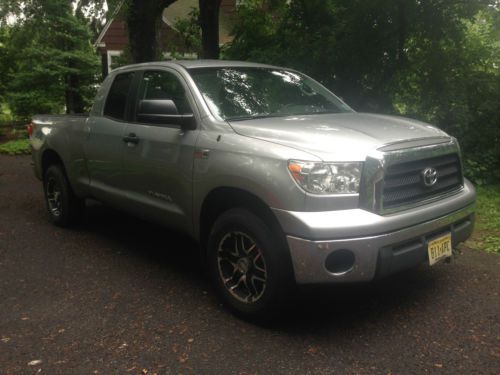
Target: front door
(158,162)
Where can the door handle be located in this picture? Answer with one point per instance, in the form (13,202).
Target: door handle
(131,138)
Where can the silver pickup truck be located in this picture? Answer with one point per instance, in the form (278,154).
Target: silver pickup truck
(278,179)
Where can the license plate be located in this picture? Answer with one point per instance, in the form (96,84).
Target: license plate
(439,249)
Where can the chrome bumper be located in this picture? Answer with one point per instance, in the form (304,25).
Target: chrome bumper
(381,245)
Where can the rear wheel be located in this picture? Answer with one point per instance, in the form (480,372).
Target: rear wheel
(249,265)
(64,207)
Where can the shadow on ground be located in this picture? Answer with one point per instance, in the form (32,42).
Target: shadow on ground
(315,308)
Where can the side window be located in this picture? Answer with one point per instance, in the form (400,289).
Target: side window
(164,85)
(117,96)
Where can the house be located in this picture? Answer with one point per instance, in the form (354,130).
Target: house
(113,39)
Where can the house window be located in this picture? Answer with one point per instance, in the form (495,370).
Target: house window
(112,56)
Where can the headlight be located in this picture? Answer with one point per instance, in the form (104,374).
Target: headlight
(326,178)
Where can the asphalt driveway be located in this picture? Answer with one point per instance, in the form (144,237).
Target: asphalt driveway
(117,295)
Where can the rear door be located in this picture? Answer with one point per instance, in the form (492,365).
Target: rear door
(158,164)
(105,145)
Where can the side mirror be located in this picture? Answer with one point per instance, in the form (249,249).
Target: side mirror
(164,112)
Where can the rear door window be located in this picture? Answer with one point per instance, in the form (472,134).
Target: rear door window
(116,102)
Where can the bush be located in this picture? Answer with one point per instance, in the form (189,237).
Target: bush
(16,147)
(487,234)
(435,61)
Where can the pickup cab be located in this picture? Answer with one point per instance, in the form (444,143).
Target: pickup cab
(279,181)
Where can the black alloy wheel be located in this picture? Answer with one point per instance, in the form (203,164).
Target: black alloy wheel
(249,264)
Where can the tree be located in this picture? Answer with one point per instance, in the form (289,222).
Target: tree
(52,62)
(434,60)
(189,31)
(454,82)
(200,30)
(93,12)
(4,62)
(143,17)
(209,24)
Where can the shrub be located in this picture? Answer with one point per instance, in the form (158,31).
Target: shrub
(16,147)
(487,234)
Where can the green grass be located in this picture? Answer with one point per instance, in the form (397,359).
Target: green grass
(16,147)
(487,233)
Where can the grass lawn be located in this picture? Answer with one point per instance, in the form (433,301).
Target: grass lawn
(487,233)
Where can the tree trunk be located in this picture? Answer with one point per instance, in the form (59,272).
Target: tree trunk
(143,18)
(74,100)
(209,23)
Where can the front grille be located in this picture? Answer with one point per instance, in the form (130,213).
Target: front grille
(404,182)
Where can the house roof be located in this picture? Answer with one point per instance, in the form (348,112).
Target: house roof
(180,10)
(104,30)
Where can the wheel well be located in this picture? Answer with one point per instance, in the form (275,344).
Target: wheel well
(50,157)
(225,198)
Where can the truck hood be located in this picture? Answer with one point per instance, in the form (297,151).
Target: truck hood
(339,137)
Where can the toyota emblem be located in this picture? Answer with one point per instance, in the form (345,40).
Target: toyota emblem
(429,176)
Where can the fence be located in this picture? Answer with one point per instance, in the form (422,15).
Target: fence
(13,124)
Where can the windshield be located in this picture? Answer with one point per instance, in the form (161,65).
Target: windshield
(237,93)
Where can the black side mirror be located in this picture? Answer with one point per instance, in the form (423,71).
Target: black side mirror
(163,112)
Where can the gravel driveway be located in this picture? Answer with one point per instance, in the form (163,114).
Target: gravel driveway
(120,296)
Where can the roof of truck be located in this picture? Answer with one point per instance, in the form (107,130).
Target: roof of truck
(188,64)
(191,64)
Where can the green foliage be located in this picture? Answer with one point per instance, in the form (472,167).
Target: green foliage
(455,84)
(190,32)
(487,233)
(125,58)
(482,166)
(52,66)
(5,113)
(437,61)
(16,147)
(92,11)
(298,35)
(4,64)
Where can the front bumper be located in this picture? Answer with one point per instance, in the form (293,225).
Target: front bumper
(381,245)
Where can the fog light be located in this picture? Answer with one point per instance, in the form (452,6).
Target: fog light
(340,262)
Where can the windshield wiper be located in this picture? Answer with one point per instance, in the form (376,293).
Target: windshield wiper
(255,117)
(314,113)
(243,118)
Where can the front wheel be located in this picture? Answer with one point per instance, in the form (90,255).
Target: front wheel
(64,207)
(249,264)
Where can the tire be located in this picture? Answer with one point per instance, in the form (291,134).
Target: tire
(63,206)
(249,265)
